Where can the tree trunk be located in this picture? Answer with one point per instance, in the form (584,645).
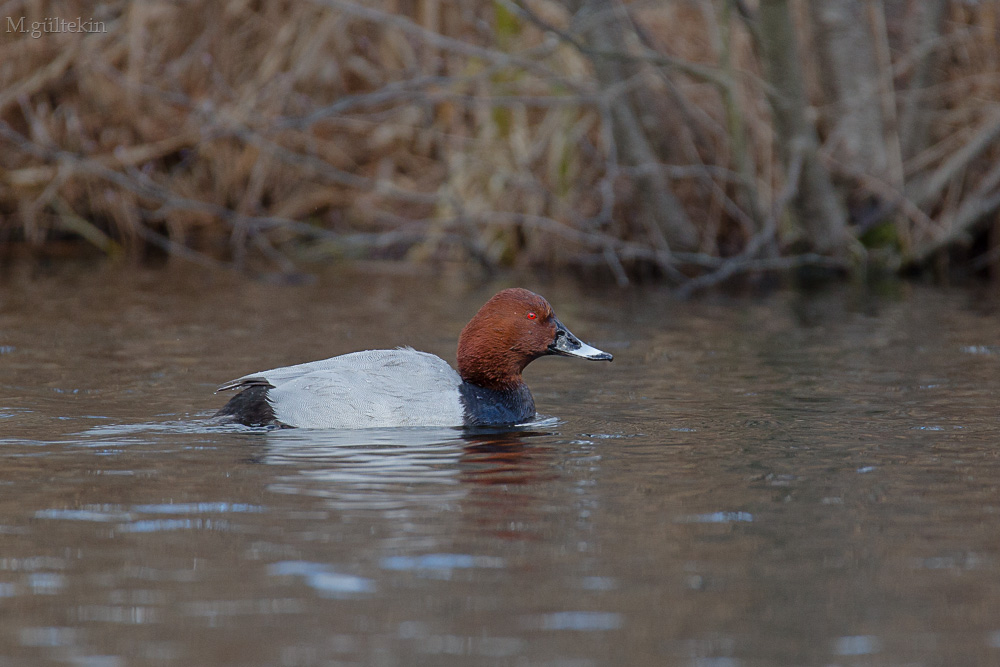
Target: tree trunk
(918,106)
(850,74)
(816,207)
(660,210)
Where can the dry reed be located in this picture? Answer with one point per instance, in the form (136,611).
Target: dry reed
(235,132)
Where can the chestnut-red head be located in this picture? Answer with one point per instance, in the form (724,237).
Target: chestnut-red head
(511,330)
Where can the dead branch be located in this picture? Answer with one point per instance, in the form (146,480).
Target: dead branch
(926,190)
(746,258)
(973,209)
(444,42)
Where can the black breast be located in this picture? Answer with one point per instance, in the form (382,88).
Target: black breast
(490,407)
(250,407)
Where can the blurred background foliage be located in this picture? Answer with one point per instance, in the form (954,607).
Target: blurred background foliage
(688,140)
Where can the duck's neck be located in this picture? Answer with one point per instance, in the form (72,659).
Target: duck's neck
(490,356)
(491,369)
(496,407)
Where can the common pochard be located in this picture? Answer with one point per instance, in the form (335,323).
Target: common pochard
(404,387)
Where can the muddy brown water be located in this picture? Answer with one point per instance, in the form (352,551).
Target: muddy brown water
(795,479)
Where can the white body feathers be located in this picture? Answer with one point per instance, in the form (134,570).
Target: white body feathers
(370,389)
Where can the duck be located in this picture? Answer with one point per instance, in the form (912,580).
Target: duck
(403,387)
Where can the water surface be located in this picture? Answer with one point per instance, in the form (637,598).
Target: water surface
(796,479)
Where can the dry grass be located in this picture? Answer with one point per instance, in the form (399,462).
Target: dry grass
(238,132)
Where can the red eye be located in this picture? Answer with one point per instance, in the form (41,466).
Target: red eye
(532,316)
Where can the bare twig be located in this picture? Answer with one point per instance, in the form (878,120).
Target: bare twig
(926,190)
(179,250)
(437,40)
(699,72)
(740,262)
(984,201)
(143,186)
(41,77)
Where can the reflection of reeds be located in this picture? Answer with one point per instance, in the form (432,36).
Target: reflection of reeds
(505,133)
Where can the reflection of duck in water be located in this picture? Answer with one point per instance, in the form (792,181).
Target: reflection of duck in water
(405,455)
(403,387)
(403,467)
(505,458)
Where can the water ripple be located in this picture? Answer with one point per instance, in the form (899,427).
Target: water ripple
(323,579)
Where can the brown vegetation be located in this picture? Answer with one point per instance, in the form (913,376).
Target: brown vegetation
(695,138)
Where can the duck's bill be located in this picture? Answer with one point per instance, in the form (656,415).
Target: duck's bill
(568,345)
